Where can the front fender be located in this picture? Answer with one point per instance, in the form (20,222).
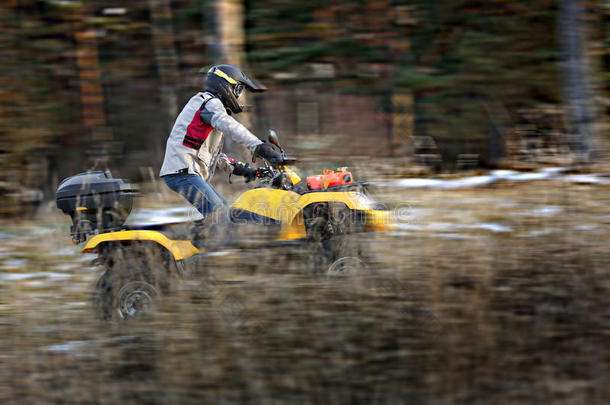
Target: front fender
(353,200)
(287,207)
(283,206)
(180,249)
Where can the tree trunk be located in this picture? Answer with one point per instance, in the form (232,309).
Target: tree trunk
(403,123)
(227,22)
(92,98)
(227,46)
(577,90)
(165,54)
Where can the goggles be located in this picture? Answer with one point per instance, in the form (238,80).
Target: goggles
(238,89)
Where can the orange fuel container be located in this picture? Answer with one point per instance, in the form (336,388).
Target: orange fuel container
(329,178)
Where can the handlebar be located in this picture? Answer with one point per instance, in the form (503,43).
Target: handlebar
(289,160)
(278,176)
(274,168)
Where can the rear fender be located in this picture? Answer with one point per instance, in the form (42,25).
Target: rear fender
(179,249)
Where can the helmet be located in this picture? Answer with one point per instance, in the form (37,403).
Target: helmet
(228,82)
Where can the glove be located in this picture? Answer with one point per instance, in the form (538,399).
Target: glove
(241,169)
(265,151)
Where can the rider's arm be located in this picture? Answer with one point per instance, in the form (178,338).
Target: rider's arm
(214,114)
(238,168)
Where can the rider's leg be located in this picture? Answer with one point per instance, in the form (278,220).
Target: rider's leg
(198,192)
(215,230)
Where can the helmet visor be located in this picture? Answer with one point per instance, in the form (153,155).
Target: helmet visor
(251,84)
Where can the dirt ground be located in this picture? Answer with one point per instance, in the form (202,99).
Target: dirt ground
(496,294)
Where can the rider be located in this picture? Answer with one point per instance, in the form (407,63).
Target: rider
(194,146)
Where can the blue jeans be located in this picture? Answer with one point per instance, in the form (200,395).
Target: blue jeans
(196,191)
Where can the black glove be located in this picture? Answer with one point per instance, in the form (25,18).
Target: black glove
(241,169)
(265,151)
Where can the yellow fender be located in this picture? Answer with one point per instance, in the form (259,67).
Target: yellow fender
(376,220)
(180,249)
(285,206)
(349,198)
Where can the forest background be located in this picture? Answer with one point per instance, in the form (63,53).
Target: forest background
(443,85)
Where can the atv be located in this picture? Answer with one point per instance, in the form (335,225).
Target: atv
(308,221)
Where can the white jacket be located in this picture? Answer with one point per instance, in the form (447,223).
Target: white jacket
(196,140)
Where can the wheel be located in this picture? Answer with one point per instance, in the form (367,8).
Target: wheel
(135,298)
(330,228)
(133,283)
(126,292)
(346,266)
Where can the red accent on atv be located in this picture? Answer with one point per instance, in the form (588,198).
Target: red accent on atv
(329,178)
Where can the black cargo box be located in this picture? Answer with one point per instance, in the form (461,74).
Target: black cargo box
(95,201)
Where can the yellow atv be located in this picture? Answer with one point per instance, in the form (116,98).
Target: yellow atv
(141,261)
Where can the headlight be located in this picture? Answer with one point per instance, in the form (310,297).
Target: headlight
(363,200)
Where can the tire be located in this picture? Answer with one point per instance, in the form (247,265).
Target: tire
(331,241)
(346,266)
(135,280)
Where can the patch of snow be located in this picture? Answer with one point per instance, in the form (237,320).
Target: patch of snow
(586,179)
(30,276)
(475,181)
(67,251)
(529,176)
(478,181)
(76,304)
(451,227)
(65,266)
(416,183)
(14,262)
(490,226)
(407,226)
(455,236)
(500,174)
(398,233)
(75,347)
(86,257)
(554,170)
(219,253)
(442,226)
(539,232)
(544,211)
(586,227)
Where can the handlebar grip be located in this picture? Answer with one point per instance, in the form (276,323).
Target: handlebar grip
(289,160)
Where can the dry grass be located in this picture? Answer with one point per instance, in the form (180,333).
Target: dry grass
(451,311)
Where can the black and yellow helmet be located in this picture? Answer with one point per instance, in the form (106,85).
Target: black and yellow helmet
(228,82)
